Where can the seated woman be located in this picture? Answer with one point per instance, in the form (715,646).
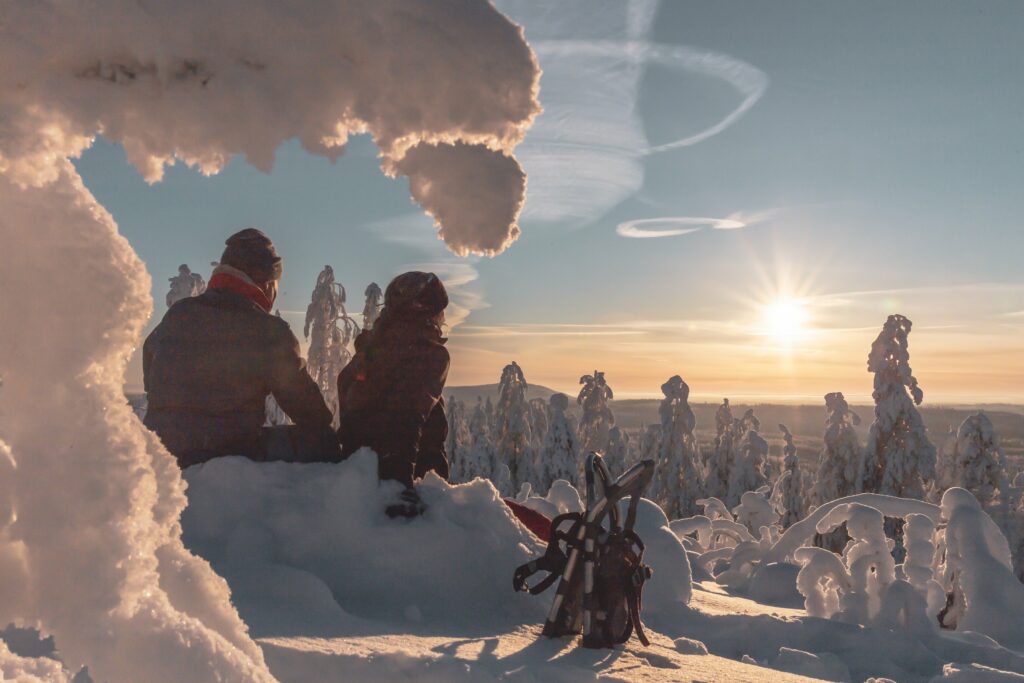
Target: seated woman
(389,395)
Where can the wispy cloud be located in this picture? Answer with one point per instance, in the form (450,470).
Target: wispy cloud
(674,226)
(584,154)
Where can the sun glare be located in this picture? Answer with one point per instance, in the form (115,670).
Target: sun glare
(785,319)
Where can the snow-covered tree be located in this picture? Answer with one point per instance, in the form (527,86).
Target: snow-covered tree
(184,285)
(790,493)
(597,417)
(513,425)
(540,416)
(650,443)
(898,458)
(839,466)
(492,418)
(374,301)
(330,331)
(458,442)
(945,465)
(747,472)
(480,459)
(618,456)
(678,482)
(723,455)
(979,464)
(560,455)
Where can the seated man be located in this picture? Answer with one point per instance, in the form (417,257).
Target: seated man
(211,362)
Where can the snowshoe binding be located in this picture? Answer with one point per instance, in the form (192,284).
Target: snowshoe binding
(599,567)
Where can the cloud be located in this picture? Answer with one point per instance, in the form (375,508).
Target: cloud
(674,226)
(585,153)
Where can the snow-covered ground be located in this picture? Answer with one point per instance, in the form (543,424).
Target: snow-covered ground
(334,590)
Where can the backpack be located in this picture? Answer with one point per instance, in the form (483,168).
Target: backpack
(599,567)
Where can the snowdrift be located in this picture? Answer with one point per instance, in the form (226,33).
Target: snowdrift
(308,550)
(309,546)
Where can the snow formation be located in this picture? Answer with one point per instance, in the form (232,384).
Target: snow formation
(105,571)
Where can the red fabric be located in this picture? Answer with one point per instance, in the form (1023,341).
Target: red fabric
(531,519)
(239,286)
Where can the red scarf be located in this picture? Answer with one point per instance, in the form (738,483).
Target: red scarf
(239,286)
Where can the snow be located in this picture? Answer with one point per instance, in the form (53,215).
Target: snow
(104,571)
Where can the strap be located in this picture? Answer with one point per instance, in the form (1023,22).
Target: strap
(552,561)
(633,601)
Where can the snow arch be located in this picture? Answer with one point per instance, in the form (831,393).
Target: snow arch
(90,501)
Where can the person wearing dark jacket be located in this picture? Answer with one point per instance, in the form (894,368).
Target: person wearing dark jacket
(389,395)
(210,364)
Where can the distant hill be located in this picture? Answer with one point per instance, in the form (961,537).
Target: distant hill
(468,394)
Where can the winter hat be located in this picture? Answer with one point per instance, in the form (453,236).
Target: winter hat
(254,254)
(416,291)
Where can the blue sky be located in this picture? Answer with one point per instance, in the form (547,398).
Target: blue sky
(872,150)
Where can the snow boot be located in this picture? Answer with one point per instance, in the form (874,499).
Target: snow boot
(408,506)
(601,569)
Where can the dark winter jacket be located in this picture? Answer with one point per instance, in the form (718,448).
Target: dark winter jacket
(390,399)
(209,366)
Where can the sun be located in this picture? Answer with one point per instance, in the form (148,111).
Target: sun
(785,319)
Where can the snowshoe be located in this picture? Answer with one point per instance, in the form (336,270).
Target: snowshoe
(601,569)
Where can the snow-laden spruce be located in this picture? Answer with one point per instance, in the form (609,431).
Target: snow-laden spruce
(330,332)
(620,454)
(979,464)
(597,417)
(374,302)
(723,455)
(791,490)
(898,457)
(540,417)
(184,285)
(559,457)
(748,468)
(512,418)
(480,460)
(678,482)
(839,465)
(457,443)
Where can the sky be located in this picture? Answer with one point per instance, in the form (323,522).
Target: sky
(735,192)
